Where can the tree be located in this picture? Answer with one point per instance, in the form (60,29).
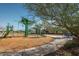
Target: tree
(38,29)
(26,22)
(9,28)
(62,15)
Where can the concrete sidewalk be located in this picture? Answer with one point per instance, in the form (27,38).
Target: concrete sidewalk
(41,50)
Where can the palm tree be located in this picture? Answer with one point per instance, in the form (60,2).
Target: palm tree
(26,22)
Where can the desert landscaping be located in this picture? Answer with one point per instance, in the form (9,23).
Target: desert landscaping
(15,44)
(39,29)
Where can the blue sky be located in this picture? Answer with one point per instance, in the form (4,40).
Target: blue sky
(12,13)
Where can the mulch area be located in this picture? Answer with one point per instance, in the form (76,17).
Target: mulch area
(13,44)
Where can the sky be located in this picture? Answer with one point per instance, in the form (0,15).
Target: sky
(12,13)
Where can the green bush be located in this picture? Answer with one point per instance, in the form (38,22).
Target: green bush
(71,44)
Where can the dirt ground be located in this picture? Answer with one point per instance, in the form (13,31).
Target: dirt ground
(13,44)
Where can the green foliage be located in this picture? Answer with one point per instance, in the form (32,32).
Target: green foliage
(71,44)
(26,22)
(62,15)
(8,29)
(38,29)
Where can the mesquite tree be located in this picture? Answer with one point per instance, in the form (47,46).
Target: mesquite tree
(62,15)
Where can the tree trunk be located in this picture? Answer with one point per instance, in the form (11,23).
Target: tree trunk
(26,30)
(76,37)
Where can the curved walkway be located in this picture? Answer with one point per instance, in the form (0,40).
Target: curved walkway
(44,49)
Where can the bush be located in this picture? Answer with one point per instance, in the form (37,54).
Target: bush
(71,44)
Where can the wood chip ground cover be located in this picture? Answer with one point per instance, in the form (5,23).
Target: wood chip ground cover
(14,44)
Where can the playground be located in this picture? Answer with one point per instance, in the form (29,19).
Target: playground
(13,41)
(39,29)
(35,38)
(15,44)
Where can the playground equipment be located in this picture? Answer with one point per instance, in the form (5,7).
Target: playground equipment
(7,31)
(26,22)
